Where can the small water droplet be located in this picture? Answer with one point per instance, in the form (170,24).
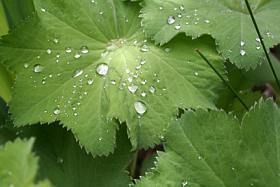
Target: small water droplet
(242,43)
(140,107)
(152,89)
(90,82)
(68,50)
(132,88)
(77,55)
(258,40)
(182,8)
(78,73)
(143,94)
(55,40)
(145,48)
(184,183)
(242,52)
(56,111)
(102,69)
(207,21)
(38,68)
(49,51)
(60,160)
(43,9)
(171,20)
(25,65)
(113,82)
(258,47)
(84,50)
(178,27)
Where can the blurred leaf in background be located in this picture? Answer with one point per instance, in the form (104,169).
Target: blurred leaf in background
(12,12)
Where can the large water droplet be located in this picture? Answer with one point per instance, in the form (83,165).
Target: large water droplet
(38,68)
(102,69)
(171,20)
(84,50)
(140,107)
(78,73)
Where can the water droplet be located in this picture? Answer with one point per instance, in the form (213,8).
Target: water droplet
(258,47)
(143,94)
(84,50)
(68,50)
(102,69)
(199,157)
(145,48)
(77,55)
(178,27)
(258,40)
(196,73)
(140,107)
(184,183)
(56,111)
(78,73)
(207,21)
(25,65)
(49,51)
(242,52)
(242,43)
(182,7)
(152,89)
(56,41)
(43,9)
(113,82)
(132,88)
(171,20)
(38,68)
(90,82)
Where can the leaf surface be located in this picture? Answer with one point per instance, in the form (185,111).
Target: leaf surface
(228,21)
(18,165)
(85,67)
(214,149)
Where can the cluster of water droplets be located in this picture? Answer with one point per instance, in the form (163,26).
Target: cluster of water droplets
(182,18)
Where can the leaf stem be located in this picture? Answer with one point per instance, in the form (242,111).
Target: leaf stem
(262,42)
(224,81)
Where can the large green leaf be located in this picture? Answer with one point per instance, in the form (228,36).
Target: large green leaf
(18,165)
(214,149)
(4,24)
(86,66)
(227,21)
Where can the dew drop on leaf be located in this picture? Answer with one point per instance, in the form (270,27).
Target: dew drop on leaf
(184,183)
(77,55)
(178,27)
(78,73)
(242,43)
(49,51)
(90,82)
(102,69)
(68,50)
(56,111)
(132,89)
(25,65)
(242,52)
(171,20)
(152,89)
(145,48)
(84,50)
(140,107)
(38,68)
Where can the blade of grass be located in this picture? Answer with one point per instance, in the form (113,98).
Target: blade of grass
(262,42)
(224,81)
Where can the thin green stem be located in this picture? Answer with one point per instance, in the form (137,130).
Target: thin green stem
(262,42)
(224,81)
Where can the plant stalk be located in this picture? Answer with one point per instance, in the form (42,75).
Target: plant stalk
(262,43)
(224,81)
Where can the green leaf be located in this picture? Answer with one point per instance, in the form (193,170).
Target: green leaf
(58,57)
(227,21)
(5,83)
(4,25)
(18,165)
(64,163)
(214,149)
